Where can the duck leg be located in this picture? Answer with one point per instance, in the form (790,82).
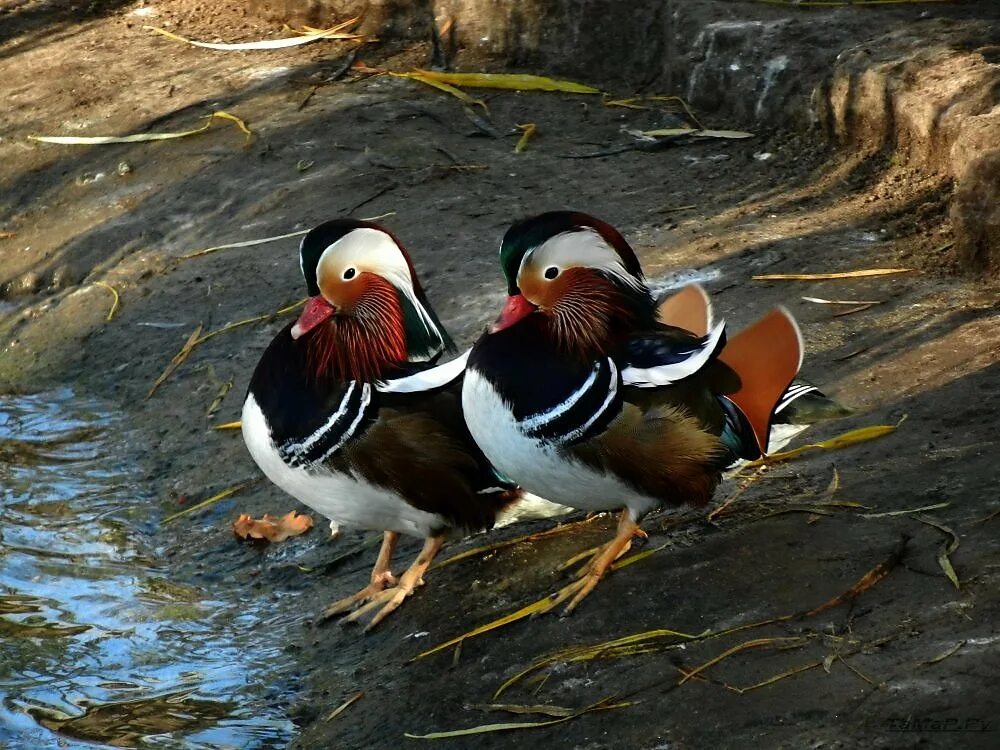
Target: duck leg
(382,578)
(590,556)
(592,573)
(390,599)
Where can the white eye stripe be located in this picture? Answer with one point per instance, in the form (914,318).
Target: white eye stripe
(367,249)
(584,247)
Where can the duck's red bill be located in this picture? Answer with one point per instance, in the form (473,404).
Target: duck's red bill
(516,308)
(315,312)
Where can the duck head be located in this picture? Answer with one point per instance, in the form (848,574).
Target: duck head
(575,276)
(366,313)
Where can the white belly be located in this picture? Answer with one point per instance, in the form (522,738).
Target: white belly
(537,466)
(345,499)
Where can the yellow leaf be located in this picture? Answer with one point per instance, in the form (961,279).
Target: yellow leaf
(527,133)
(853,437)
(514,81)
(100,140)
(229,426)
(441,86)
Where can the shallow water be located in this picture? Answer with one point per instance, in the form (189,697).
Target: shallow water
(97,643)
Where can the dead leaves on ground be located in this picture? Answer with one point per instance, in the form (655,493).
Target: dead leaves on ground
(272,529)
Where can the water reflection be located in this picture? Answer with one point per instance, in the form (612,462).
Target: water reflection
(97,643)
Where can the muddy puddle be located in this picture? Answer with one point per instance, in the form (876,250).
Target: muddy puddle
(98,644)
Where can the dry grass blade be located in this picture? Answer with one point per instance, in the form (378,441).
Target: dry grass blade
(681,102)
(7,235)
(755,643)
(602,705)
(528,131)
(890,513)
(115,299)
(629,103)
(827,276)
(554,711)
(734,496)
(511,81)
(344,706)
(264,240)
(555,530)
(866,581)
(248,321)
(697,133)
(542,605)
(847,439)
(535,608)
(196,339)
(851,311)
(178,359)
(943,555)
(217,401)
(641,555)
(944,654)
(245,243)
(335,32)
(212,500)
(625,646)
(821,301)
(100,140)
(846,3)
(777,678)
(229,426)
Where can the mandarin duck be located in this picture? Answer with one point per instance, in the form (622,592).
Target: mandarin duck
(580,393)
(348,412)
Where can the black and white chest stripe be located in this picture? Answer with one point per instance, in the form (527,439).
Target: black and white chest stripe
(584,412)
(357,409)
(348,420)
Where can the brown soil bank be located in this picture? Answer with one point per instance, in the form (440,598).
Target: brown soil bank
(875,146)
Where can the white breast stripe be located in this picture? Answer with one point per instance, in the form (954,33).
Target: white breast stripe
(653,377)
(310,441)
(793,393)
(435,377)
(612,392)
(542,418)
(366,397)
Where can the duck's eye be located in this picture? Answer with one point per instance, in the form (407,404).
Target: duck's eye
(350,273)
(551,272)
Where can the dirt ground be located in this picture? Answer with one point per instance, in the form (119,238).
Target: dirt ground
(907,663)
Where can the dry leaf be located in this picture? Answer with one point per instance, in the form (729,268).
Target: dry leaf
(270,528)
